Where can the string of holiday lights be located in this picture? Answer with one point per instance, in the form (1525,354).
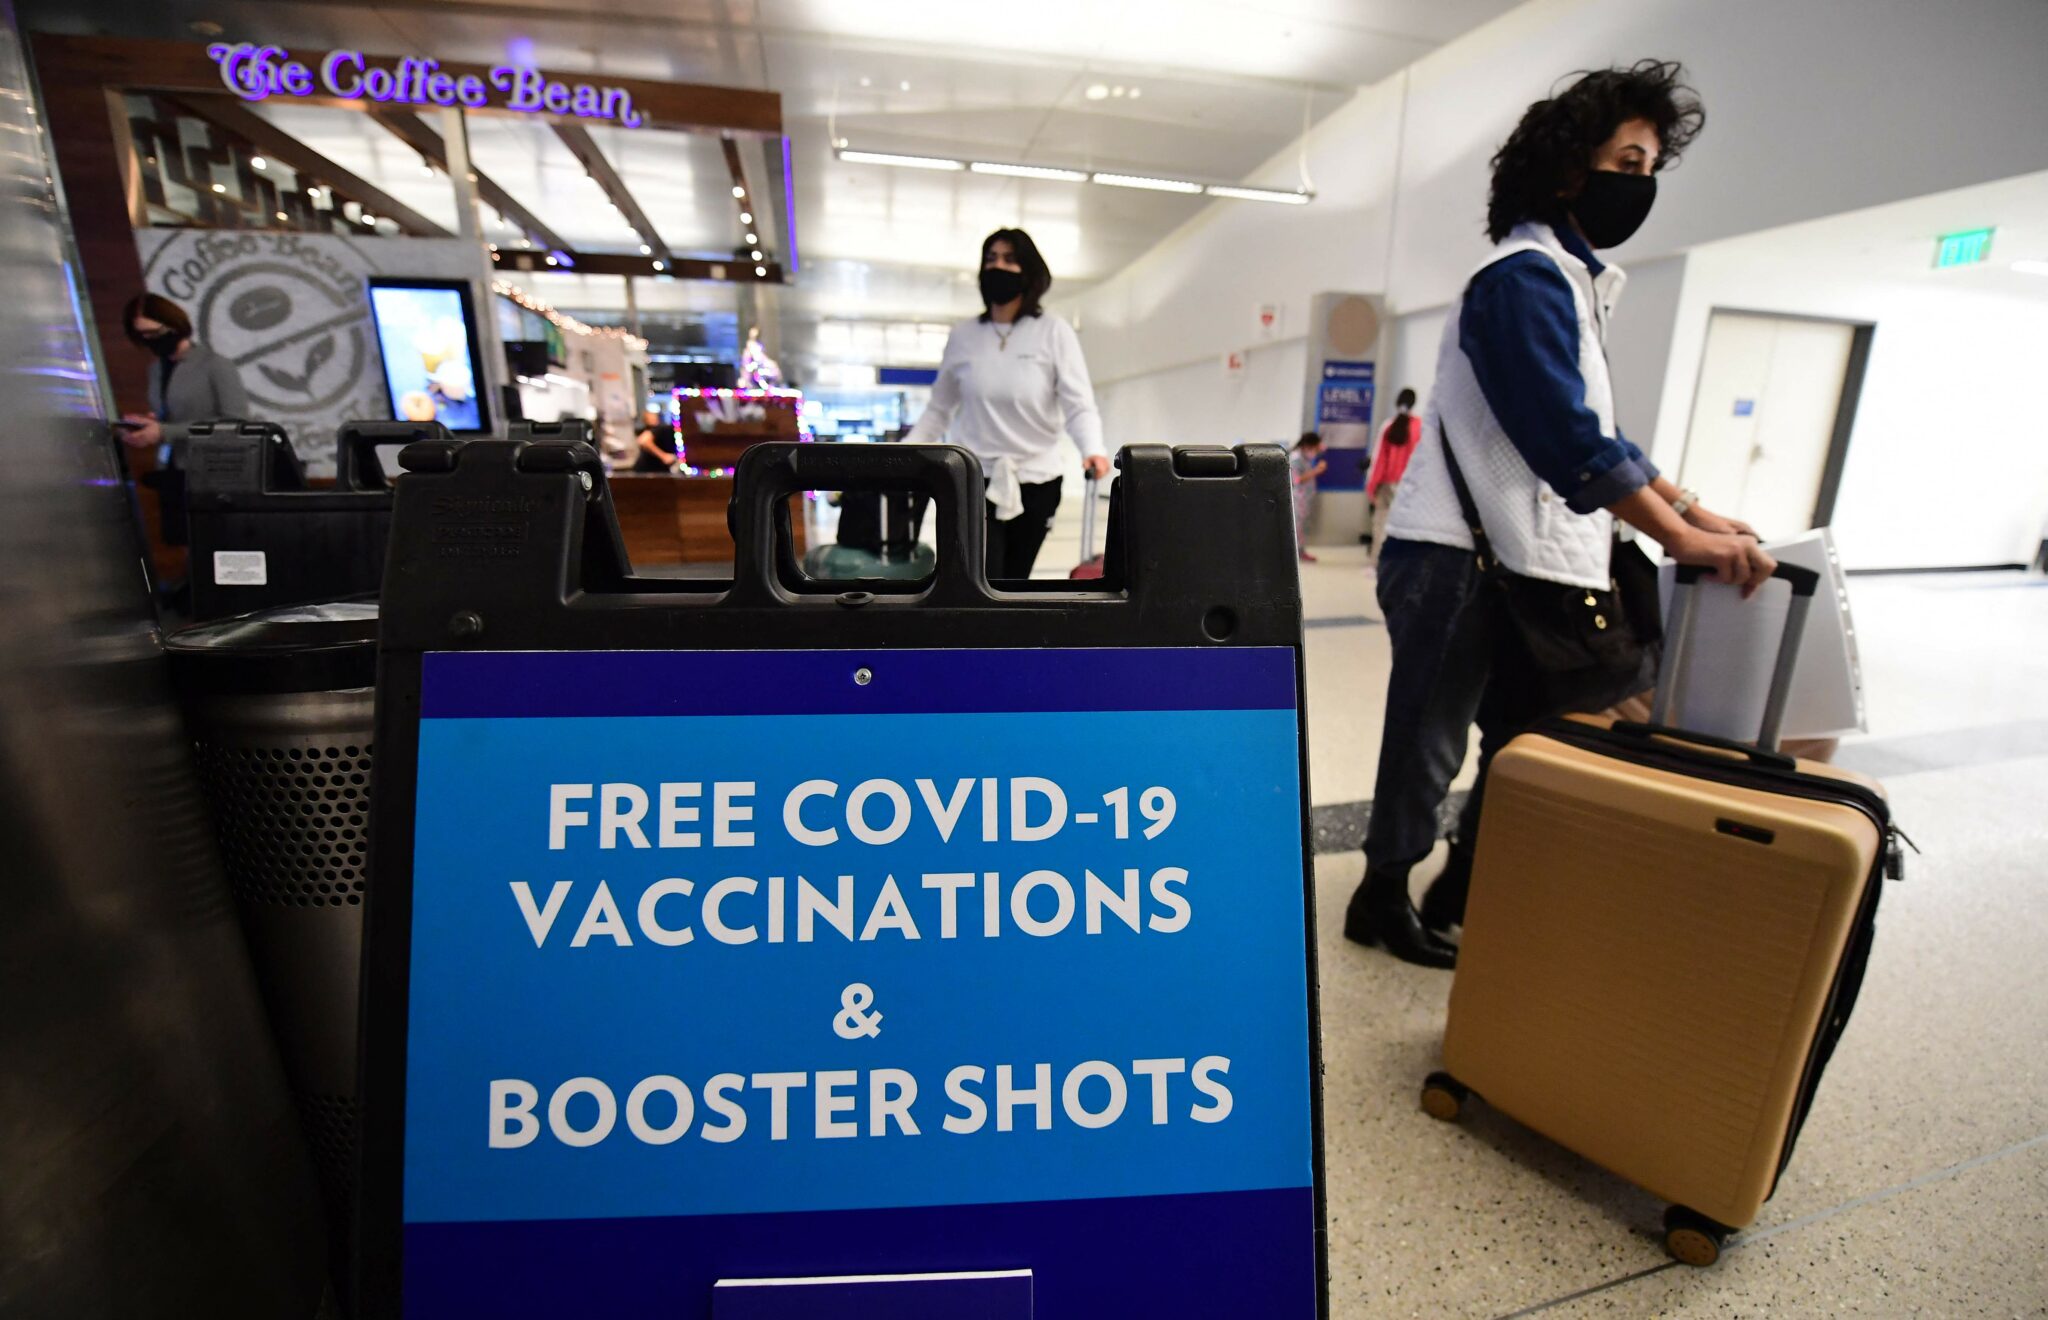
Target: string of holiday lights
(794,398)
(562,320)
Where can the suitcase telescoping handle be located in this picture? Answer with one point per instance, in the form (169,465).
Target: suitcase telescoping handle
(1089,486)
(1678,634)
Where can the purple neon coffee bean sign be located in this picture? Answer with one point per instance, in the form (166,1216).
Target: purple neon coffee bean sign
(256,73)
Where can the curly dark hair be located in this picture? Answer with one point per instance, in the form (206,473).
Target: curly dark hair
(1551,149)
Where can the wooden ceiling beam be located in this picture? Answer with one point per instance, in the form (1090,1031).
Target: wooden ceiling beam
(616,263)
(580,144)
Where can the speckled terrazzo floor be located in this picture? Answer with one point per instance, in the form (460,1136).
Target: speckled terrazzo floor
(1920,1186)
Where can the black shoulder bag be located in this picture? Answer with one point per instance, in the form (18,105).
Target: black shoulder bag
(1590,647)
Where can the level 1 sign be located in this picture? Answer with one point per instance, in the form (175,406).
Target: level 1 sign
(1344,420)
(903,962)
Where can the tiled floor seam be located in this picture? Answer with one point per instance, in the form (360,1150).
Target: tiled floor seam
(1592,1291)
(1872,1198)
(1804,1221)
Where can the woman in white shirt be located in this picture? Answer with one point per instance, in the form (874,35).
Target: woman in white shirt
(1010,381)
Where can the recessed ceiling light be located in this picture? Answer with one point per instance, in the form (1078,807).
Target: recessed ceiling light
(1136,92)
(867,82)
(738,191)
(659,266)
(1147,182)
(258,163)
(220,187)
(369,219)
(551,261)
(903,86)
(761,271)
(1096,91)
(282,216)
(1028,171)
(645,250)
(1118,91)
(753,238)
(746,217)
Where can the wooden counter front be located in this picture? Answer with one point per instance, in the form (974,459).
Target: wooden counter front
(681,520)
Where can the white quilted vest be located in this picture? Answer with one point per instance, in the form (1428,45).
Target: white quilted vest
(1531,529)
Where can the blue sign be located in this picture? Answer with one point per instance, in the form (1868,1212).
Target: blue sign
(1745,407)
(1345,394)
(255,73)
(1344,419)
(900,962)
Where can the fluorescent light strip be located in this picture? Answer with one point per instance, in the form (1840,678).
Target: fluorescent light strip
(1146,182)
(908,162)
(1259,195)
(2031,267)
(1028,171)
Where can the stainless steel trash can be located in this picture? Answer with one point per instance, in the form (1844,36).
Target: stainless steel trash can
(280,707)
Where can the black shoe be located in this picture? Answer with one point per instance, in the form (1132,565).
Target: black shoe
(1380,914)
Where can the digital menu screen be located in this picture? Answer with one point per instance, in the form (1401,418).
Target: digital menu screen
(426,333)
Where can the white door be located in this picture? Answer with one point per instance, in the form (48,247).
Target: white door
(1764,417)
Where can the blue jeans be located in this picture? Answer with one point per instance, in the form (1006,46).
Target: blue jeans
(1454,662)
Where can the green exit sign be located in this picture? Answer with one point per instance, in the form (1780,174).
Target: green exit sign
(1964,249)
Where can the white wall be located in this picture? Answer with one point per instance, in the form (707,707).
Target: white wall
(1157,332)
(1948,459)
(1639,350)
(1813,107)
(1197,404)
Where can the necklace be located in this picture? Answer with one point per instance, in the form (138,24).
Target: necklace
(1002,340)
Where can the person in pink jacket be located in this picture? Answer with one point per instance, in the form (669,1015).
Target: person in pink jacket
(1389,462)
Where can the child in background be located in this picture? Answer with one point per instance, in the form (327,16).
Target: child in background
(1389,463)
(1307,463)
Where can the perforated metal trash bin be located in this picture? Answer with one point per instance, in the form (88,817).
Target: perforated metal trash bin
(280,706)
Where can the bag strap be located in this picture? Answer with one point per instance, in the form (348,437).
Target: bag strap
(1473,523)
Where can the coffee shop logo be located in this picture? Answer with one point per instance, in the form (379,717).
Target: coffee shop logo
(289,311)
(255,72)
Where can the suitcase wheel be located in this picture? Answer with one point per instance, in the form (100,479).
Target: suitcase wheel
(1443,1098)
(1692,1238)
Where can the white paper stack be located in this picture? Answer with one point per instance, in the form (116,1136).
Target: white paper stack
(1735,647)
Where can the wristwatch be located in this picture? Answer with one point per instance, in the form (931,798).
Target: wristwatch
(1686,499)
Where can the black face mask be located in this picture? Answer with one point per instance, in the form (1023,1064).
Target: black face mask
(163,343)
(1612,206)
(1001,286)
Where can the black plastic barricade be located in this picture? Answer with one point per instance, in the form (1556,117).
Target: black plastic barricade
(261,537)
(762,948)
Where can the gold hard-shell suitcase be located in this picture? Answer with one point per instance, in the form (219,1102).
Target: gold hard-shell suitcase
(1664,938)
